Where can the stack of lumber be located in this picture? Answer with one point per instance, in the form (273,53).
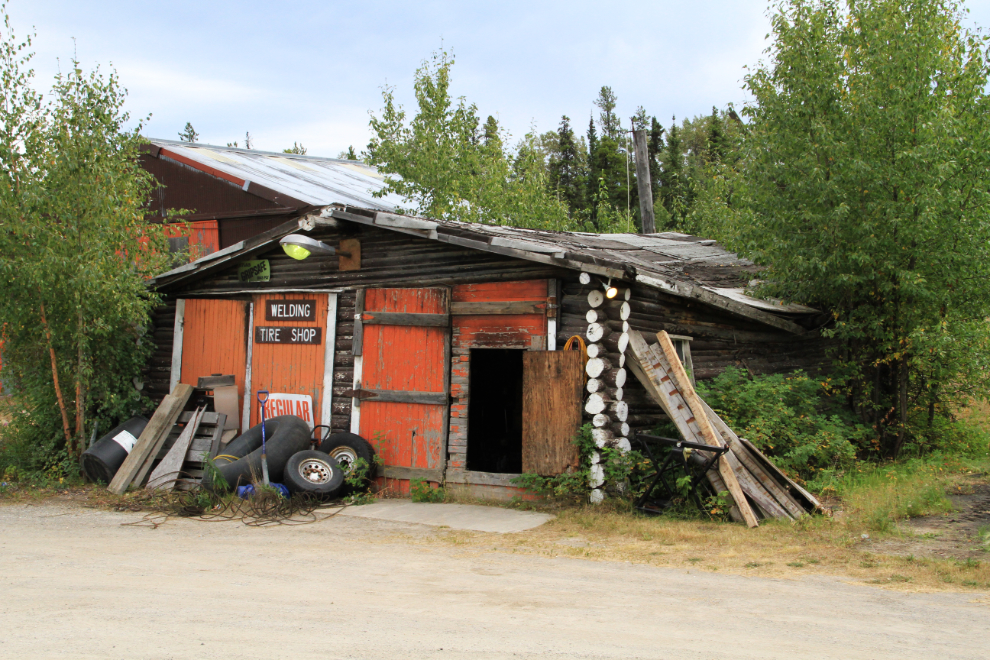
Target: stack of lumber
(192,442)
(173,447)
(758,488)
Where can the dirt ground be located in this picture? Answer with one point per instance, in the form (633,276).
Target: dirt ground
(955,535)
(75,582)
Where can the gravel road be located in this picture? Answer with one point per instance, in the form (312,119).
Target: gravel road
(74,583)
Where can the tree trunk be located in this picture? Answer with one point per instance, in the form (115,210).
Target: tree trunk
(902,404)
(58,390)
(80,391)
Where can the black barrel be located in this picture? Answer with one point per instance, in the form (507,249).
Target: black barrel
(101,461)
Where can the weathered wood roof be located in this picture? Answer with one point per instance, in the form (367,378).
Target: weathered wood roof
(683,265)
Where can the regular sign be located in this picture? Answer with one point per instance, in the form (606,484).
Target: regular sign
(300,405)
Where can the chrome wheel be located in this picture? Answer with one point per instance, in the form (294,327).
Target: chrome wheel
(315,471)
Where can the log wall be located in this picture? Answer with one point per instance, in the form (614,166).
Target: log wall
(720,340)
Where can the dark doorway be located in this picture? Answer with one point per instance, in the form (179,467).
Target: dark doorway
(495,411)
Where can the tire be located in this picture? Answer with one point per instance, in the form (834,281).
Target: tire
(314,473)
(284,436)
(346,448)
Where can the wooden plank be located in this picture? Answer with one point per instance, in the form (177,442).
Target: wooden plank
(246,408)
(402,472)
(552,314)
(552,392)
(768,465)
(217,434)
(200,443)
(211,382)
(176,372)
(163,477)
(398,396)
(326,402)
(447,368)
(511,307)
(157,429)
(643,183)
(358,342)
(400,318)
(740,451)
(208,418)
(683,381)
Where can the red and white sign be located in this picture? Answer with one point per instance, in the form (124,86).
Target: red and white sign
(300,405)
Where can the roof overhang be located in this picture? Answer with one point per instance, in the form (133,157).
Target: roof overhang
(731,300)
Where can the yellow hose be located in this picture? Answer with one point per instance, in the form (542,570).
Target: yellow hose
(584,348)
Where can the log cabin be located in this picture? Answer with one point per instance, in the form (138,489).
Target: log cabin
(442,342)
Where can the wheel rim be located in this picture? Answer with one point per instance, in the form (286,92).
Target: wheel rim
(346,457)
(315,471)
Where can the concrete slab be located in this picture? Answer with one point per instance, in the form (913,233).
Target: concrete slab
(471,517)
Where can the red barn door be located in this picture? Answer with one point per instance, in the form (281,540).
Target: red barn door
(404,380)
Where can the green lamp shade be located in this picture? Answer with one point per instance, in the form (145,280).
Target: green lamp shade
(295,251)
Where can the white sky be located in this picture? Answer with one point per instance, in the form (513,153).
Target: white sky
(310,71)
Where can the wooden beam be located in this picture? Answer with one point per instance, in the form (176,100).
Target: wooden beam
(246,409)
(482,308)
(695,292)
(400,472)
(739,450)
(176,372)
(812,501)
(643,183)
(158,428)
(163,477)
(326,398)
(356,342)
(404,318)
(398,396)
(694,403)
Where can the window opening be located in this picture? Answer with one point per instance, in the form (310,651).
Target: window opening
(682,346)
(494,442)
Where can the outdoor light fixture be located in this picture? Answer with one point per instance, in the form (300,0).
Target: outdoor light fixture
(299,247)
(610,291)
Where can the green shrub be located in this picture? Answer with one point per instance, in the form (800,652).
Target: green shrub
(624,473)
(790,417)
(422,491)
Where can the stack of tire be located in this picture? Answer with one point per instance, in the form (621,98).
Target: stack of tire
(321,473)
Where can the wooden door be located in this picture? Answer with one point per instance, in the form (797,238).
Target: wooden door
(214,341)
(289,347)
(552,396)
(404,379)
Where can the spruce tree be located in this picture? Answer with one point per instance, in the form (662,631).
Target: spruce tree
(673,186)
(591,184)
(189,133)
(609,121)
(654,146)
(565,168)
(715,153)
(491,138)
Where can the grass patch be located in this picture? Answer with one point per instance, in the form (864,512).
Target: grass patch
(871,500)
(877,497)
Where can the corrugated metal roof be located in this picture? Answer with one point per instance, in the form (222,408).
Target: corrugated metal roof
(315,181)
